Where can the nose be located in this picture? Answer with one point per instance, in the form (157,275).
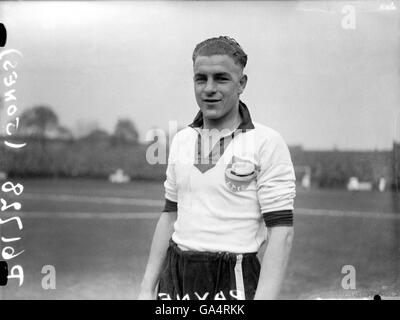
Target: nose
(210,87)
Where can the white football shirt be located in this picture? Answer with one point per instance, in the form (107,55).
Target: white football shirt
(223,205)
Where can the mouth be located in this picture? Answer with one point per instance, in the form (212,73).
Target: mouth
(211,101)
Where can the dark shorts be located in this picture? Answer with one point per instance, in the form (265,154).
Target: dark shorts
(196,275)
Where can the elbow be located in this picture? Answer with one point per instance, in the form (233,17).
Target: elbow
(168,217)
(286,237)
(289,237)
(289,234)
(283,235)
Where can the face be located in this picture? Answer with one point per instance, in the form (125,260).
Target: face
(218,83)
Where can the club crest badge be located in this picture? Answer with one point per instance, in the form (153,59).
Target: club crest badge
(239,173)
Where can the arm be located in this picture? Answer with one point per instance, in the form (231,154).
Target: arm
(163,232)
(274,262)
(159,246)
(276,193)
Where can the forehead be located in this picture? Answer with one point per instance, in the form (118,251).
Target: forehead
(216,64)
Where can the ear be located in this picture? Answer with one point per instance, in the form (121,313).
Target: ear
(242,83)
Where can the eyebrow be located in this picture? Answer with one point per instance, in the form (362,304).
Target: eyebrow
(222,74)
(218,74)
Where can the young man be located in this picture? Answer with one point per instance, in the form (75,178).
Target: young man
(222,197)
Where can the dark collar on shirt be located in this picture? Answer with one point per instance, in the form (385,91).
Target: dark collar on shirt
(246,123)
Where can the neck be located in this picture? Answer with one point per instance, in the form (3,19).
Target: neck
(230,121)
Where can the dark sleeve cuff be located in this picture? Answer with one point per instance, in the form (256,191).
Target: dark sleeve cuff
(170,206)
(278,218)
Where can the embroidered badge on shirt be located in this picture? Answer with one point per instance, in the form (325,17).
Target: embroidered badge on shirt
(239,173)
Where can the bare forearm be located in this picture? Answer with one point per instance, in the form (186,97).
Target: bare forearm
(158,250)
(274,263)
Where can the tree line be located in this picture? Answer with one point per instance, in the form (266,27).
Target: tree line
(41,122)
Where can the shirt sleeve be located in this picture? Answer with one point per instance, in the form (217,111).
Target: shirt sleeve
(171,192)
(276,186)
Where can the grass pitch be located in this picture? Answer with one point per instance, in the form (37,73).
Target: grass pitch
(97,235)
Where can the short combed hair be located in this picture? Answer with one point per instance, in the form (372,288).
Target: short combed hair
(221,45)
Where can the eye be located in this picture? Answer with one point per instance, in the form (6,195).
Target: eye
(199,80)
(222,79)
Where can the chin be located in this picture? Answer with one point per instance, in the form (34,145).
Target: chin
(211,115)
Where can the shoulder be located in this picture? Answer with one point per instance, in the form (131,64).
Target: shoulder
(265,131)
(266,134)
(182,137)
(270,143)
(183,134)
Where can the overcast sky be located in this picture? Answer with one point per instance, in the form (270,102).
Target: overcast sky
(318,84)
